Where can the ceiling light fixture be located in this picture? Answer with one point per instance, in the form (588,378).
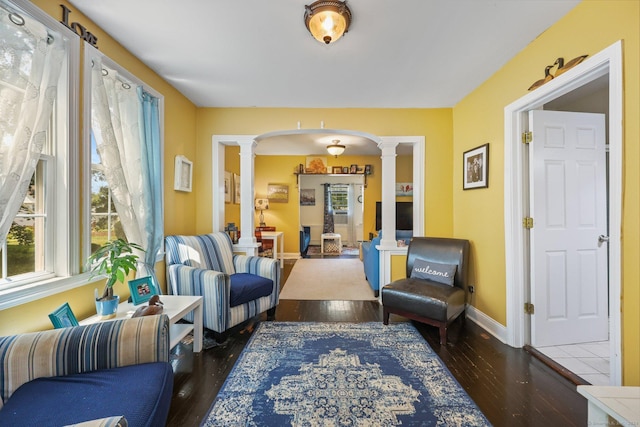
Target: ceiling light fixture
(335,149)
(327,21)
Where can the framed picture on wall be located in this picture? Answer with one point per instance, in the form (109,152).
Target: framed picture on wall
(236,189)
(278,193)
(404,189)
(227,187)
(316,164)
(308,197)
(476,168)
(336,169)
(183,174)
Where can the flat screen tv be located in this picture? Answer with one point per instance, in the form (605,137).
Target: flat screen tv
(404,216)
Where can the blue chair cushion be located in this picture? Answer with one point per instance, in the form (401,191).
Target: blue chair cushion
(141,393)
(246,287)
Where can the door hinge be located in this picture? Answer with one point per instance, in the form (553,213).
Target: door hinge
(528,308)
(527,137)
(527,222)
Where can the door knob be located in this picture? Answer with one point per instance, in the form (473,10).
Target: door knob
(602,239)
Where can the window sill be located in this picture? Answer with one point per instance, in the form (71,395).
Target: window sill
(33,291)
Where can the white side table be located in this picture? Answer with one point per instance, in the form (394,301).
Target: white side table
(620,403)
(175,306)
(335,243)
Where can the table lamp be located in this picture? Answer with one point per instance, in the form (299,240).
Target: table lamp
(262,204)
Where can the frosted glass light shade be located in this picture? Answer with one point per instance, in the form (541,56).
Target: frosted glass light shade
(335,150)
(327,21)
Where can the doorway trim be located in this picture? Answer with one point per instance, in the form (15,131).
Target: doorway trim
(607,62)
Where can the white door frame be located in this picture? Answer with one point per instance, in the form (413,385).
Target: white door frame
(607,62)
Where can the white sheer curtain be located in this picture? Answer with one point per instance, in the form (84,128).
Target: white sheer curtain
(30,63)
(117,121)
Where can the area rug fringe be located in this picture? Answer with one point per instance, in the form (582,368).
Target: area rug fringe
(331,374)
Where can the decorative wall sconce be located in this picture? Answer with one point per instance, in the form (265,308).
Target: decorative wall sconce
(327,21)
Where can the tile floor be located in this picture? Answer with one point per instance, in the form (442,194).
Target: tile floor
(589,361)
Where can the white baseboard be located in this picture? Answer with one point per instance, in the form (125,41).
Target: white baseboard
(487,323)
(291,255)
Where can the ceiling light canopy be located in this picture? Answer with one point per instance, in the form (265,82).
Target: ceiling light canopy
(335,149)
(327,21)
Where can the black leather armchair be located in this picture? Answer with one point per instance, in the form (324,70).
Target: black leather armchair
(426,300)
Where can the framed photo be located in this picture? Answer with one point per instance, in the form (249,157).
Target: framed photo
(142,290)
(316,164)
(353,169)
(368,169)
(360,169)
(236,189)
(476,168)
(63,317)
(227,186)
(404,189)
(336,169)
(345,169)
(278,193)
(183,174)
(308,197)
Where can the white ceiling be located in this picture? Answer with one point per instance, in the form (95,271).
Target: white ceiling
(258,53)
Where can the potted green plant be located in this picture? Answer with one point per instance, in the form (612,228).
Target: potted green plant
(115,260)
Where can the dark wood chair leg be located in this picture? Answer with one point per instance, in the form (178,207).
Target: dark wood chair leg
(443,334)
(385,316)
(271,313)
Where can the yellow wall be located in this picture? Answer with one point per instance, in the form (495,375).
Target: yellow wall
(478,215)
(179,213)
(434,124)
(479,118)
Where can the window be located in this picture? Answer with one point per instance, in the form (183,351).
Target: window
(40,240)
(339,198)
(126,165)
(105,223)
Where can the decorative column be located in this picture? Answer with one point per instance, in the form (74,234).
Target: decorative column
(388,149)
(247,242)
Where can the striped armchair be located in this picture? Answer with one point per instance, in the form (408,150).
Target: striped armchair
(234,287)
(85,375)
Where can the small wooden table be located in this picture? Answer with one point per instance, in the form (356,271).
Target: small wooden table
(275,236)
(175,306)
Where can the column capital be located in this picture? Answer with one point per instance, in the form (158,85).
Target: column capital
(388,148)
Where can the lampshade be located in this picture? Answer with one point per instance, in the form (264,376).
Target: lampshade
(327,21)
(335,149)
(262,204)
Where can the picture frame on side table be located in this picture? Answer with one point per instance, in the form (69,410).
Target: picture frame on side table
(476,168)
(142,290)
(183,174)
(63,317)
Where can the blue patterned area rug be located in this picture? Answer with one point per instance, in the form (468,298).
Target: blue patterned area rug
(341,374)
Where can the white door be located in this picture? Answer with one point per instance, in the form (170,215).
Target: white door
(569,289)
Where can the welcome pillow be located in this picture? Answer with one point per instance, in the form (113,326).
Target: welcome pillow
(441,273)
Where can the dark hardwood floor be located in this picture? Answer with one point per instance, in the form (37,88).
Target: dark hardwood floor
(511,387)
